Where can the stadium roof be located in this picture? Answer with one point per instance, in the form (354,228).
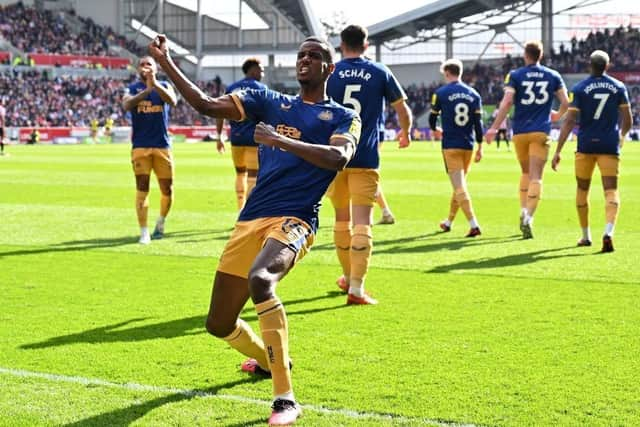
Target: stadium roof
(464,17)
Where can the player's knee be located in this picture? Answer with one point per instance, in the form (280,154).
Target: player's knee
(217,327)
(461,195)
(261,285)
(612,197)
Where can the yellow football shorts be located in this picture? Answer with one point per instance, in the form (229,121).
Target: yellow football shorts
(607,163)
(532,144)
(248,238)
(457,159)
(358,185)
(160,160)
(244,157)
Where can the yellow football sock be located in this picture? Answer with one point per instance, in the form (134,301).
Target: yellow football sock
(342,240)
(612,200)
(582,204)
(453,207)
(533,196)
(524,189)
(241,189)
(273,326)
(251,182)
(165,204)
(248,343)
(142,207)
(462,197)
(361,247)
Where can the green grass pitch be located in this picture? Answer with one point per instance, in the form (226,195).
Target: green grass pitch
(96,330)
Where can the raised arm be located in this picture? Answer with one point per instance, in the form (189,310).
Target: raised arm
(334,156)
(223,106)
(129,102)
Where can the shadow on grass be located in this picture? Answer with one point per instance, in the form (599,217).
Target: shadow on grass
(439,245)
(98,243)
(127,331)
(376,243)
(505,261)
(126,416)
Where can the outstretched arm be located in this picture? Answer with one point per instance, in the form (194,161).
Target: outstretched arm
(223,106)
(334,156)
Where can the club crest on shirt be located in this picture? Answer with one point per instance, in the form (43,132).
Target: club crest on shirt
(325,115)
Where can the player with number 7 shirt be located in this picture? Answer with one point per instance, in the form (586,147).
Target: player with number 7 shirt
(530,89)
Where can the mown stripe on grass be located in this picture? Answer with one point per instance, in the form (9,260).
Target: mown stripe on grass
(349,413)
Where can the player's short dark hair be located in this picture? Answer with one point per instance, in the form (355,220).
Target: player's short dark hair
(599,61)
(249,64)
(452,66)
(354,36)
(533,50)
(327,50)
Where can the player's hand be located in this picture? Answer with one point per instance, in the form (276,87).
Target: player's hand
(555,116)
(220,146)
(404,139)
(490,134)
(266,135)
(478,153)
(158,48)
(555,161)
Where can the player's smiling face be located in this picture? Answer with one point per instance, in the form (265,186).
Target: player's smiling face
(311,66)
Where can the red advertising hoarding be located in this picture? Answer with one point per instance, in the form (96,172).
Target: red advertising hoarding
(79,60)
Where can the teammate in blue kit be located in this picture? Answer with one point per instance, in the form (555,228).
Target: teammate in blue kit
(597,102)
(149,100)
(244,150)
(304,140)
(461,109)
(530,89)
(363,86)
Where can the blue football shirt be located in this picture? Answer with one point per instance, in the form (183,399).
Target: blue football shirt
(598,100)
(149,119)
(457,103)
(242,132)
(287,185)
(535,87)
(363,86)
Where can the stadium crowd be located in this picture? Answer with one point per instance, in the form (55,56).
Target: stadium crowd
(31,98)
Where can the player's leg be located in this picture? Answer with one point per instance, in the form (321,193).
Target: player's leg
(609,169)
(237,154)
(584,166)
(338,193)
(287,242)
(521,144)
(363,184)
(457,176)
(231,292)
(164,170)
(387,215)
(538,155)
(251,160)
(141,162)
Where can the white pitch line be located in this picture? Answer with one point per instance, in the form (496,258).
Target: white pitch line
(191,393)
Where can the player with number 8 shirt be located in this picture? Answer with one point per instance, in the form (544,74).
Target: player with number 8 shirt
(530,90)
(461,109)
